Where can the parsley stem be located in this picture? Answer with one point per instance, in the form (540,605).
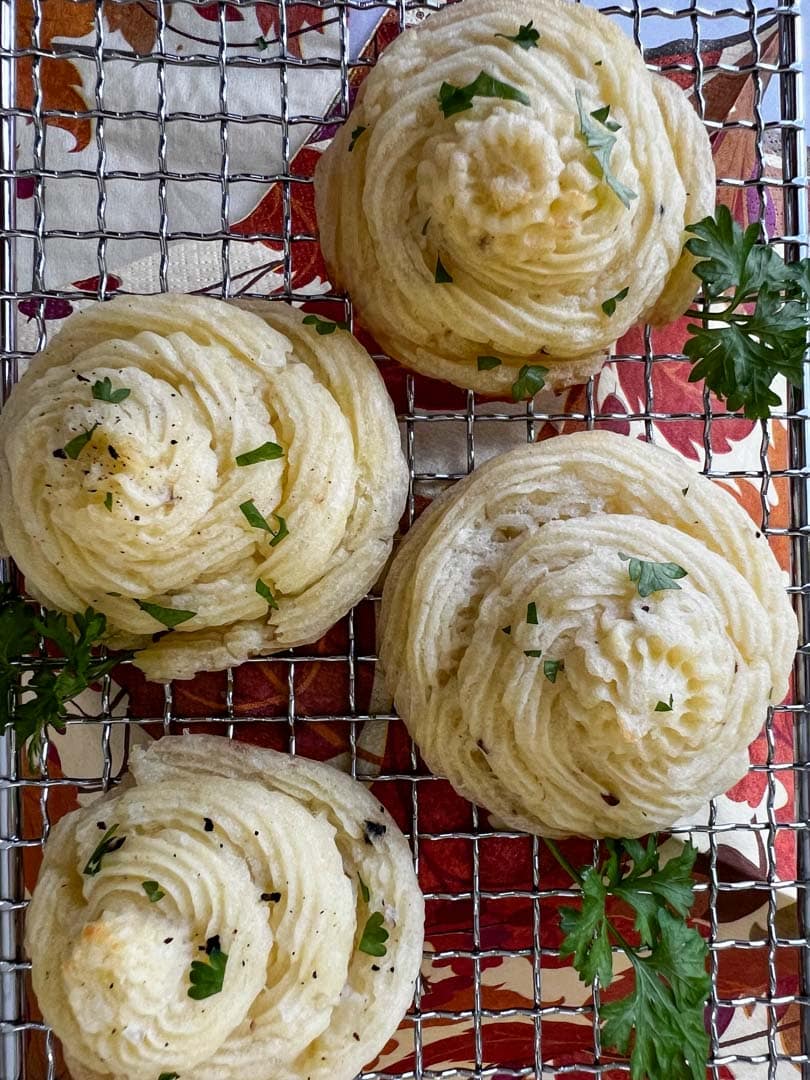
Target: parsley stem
(622,940)
(561,859)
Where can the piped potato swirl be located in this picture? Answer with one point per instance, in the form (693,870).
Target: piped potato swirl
(549,683)
(179,463)
(275,864)
(507,194)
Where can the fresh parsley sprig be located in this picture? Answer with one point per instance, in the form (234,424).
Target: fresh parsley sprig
(738,352)
(660,1022)
(50,687)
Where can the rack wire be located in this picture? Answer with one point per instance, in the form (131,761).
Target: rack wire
(27,1048)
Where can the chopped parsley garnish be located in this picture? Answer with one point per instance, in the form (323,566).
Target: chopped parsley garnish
(265,593)
(506,630)
(207,978)
(550,669)
(531,379)
(170,617)
(268,451)
(170,1076)
(456,99)
(259,521)
(106,846)
(663,706)
(652,577)
(597,129)
(153,891)
(739,352)
(103,391)
(534,653)
(609,306)
(49,688)
(659,1022)
(487,363)
(324,327)
(363,888)
(78,443)
(374,936)
(108,499)
(531,614)
(526,37)
(358,131)
(261,43)
(441,276)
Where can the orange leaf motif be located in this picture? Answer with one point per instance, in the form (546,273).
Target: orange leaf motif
(59,78)
(137,23)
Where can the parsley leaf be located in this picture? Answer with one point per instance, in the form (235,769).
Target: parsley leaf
(48,690)
(324,327)
(652,577)
(374,936)
(207,978)
(531,614)
(106,846)
(358,131)
(526,37)
(550,669)
(535,654)
(609,306)
(170,617)
(259,521)
(664,1013)
(78,443)
(103,391)
(169,1076)
(456,99)
(487,363)
(261,44)
(266,593)
(586,935)
(662,706)
(531,379)
(738,353)
(441,275)
(598,132)
(153,891)
(108,501)
(268,451)
(660,1021)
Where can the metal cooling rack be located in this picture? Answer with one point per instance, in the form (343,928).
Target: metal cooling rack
(16,1025)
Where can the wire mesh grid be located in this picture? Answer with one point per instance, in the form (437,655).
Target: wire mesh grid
(21,59)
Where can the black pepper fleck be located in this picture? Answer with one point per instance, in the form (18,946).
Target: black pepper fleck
(372,830)
(60,454)
(112,452)
(208,824)
(270,897)
(213,944)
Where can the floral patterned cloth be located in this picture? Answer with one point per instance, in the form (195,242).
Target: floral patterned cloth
(519,928)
